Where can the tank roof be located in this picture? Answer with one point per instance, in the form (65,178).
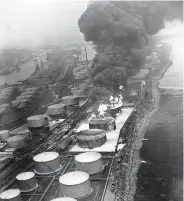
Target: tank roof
(74,178)
(11,193)
(88,157)
(45,156)
(64,199)
(25,175)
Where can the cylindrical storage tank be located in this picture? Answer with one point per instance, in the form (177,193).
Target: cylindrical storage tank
(11,195)
(26,134)
(22,103)
(4,135)
(47,163)
(79,93)
(20,89)
(26,181)
(27,96)
(107,124)
(64,199)
(73,89)
(70,100)
(70,109)
(4,106)
(15,103)
(82,86)
(91,138)
(27,93)
(37,121)
(75,184)
(90,162)
(16,142)
(82,101)
(31,89)
(56,109)
(20,97)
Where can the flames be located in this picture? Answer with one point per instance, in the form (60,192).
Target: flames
(102,109)
(116,102)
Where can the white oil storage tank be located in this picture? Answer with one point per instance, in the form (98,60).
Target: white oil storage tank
(16,142)
(90,162)
(64,199)
(70,100)
(11,195)
(75,184)
(26,181)
(47,163)
(4,135)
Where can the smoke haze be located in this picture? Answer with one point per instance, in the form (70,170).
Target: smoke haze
(42,22)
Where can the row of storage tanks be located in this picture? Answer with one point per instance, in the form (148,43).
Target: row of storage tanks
(26,96)
(39,124)
(4,95)
(72,185)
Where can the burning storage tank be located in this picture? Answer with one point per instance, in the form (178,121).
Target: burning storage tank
(90,162)
(64,199)
(11,195)
(16,142)
(26,181)
(75,184)
(57,109)
(47,163)
(4,135)
(91,138)
(25,133)
(105,123)
(38,124)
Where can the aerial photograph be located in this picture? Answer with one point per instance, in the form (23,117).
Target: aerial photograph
(91,100)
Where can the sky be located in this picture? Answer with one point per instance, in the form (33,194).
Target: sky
(31,23)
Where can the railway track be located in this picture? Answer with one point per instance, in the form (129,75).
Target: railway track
(23,159)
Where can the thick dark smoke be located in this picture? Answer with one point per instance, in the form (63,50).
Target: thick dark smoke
(119,31)
(120,39)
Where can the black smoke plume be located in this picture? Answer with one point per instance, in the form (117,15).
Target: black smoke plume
(119,31)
